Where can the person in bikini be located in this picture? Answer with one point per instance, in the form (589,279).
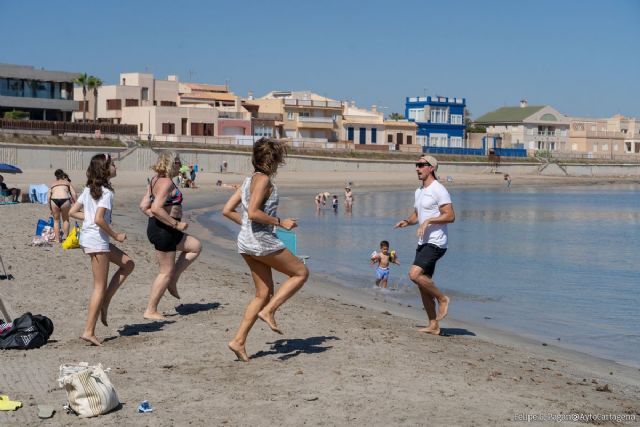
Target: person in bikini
(61,197)
(162,203)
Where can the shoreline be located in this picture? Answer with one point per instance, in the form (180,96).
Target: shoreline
(332,287)
(368,366)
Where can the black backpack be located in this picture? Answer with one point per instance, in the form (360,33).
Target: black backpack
(28,331)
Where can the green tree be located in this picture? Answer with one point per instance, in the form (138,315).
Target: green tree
(93,83)
(82,80)
(396,116)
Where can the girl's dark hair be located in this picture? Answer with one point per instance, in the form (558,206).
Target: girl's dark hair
(268,154)
(98,175)
(59,173)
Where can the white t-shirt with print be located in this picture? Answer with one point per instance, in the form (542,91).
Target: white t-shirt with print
(92,236)
(427,205)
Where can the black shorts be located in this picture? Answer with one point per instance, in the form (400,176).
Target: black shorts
(426,257)
(164,238)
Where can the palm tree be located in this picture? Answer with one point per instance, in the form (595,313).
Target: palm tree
(81,80)
(93,83)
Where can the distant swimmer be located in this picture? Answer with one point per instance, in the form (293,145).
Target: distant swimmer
(432,211)
(383,259)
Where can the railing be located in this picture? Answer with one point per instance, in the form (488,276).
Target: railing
(68,127)
(315,119)
(310,103)
(231,115)
(267,116)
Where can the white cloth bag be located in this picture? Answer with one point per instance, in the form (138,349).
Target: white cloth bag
(89,390)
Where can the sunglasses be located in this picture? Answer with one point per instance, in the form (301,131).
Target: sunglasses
(422,164)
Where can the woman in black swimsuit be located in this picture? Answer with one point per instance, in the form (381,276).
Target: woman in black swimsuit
(162,203)
(61,197)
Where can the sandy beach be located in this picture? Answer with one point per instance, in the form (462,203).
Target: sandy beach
(345,359)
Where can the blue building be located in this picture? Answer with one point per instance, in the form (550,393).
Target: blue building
(440,120)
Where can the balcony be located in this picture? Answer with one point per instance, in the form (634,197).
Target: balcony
(315,122)
(307,103)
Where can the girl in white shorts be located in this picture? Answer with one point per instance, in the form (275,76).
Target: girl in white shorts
(94,208)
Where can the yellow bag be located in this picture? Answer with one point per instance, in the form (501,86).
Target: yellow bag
(72,241)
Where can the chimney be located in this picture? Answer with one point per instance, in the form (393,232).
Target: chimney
(523,103)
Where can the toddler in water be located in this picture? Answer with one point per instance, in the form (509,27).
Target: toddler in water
(383,258)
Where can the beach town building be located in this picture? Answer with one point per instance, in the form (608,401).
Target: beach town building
(168,109)
(306,116)
(530,127)
(42,94)
(440,120)
(605,138)
(368,129)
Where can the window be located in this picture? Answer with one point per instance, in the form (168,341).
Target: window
(456,119)
(144,95)
(374,135)
(416,114)
(114,104)
(438,115)
(456,141)
(263,131)
(168,128)
(438,139)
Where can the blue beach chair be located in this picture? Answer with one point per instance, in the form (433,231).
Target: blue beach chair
(290,240)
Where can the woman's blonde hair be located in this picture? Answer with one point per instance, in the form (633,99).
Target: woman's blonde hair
(268,154)
(164,164)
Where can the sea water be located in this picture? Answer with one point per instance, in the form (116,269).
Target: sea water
(557,264)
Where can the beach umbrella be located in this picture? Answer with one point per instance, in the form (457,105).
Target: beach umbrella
(7,168)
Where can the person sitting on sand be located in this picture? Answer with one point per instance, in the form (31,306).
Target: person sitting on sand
(258,244)
(93,208)
(162,203)
(6,191)
(432,210)
(383,259)
(61,198)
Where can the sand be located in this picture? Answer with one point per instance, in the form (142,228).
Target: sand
(344,358)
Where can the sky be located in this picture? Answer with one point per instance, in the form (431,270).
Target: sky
(579,56)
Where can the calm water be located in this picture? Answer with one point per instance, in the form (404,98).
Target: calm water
(549,264)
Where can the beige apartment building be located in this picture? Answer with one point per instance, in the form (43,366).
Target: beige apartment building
(533,128)
(605,138)
(168,108)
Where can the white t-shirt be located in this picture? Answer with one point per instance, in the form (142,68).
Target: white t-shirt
(428,202)
(92,236)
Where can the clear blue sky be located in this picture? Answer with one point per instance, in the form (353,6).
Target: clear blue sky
(580,56)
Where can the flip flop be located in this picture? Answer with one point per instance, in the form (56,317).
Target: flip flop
(7,404)
(45,411)
(145,406)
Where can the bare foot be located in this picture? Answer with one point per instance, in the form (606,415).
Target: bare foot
(173,290)
(91,339)
(103,314)
(270,321)
(443,307)
(430,330)
(153,316)
(239,351)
